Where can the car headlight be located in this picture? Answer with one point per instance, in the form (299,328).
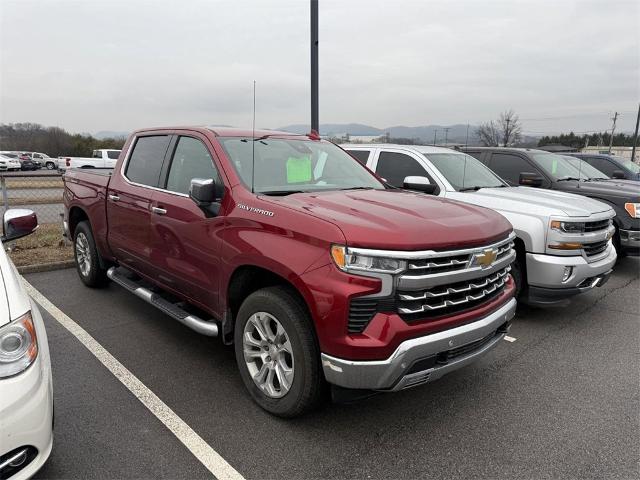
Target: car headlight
(633,209)
(567,227)
(18,346)
(349,260)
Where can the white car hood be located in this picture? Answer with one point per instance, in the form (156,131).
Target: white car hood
(14,301)
(535,201)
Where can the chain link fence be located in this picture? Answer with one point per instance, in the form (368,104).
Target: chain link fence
(40,192)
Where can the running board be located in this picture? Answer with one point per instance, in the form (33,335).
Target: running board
(204,327)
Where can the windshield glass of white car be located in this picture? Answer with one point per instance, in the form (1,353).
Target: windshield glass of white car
(464,172)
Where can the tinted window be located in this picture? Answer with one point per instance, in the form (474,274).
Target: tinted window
(146,160)
(97,154)
(361,155)
(190,160)
(510,166)
(477,155)
(394,167)
(602,164)
(113,154)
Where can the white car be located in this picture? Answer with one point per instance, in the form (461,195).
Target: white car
(102,158)
(9,163)
(26,393)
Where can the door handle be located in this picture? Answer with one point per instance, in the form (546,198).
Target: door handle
(114,198)
(158,211)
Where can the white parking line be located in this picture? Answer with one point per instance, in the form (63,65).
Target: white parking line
(190,439)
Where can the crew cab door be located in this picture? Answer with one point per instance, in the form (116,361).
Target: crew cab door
(395,165)
(129,198)
(185,241)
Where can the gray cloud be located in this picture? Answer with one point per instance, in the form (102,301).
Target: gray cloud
(116,65)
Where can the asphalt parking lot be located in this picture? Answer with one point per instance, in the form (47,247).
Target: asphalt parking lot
(562,400)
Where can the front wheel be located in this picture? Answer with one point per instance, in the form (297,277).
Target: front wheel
(87,257)
(277,353)
(50,166)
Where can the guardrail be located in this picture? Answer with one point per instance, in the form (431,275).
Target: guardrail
(37,191)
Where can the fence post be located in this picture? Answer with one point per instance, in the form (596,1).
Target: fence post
(5,198)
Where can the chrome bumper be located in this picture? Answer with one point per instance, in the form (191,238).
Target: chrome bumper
(630,238)
(392,374)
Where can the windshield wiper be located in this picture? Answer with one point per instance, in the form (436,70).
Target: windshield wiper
(565,179)
(468,189)
(357,188)
(280,193)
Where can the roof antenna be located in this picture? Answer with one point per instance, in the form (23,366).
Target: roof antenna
(253,140)
(579,170)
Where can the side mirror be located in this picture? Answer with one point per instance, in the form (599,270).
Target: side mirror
(619,174)
(529,179)
(419,183)
(18,223)
(203,192)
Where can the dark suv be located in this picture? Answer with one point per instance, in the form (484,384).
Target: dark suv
(612,166)
(540,169)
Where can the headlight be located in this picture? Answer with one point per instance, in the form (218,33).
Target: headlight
(567,227)
(18,346)
(349,260)
(633,209)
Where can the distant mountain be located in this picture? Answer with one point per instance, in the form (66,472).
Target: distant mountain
(456,133)
(109,134)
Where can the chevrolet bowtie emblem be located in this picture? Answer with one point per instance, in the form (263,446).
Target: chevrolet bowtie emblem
(485,258)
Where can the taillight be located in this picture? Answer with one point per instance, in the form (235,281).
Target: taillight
(68,162)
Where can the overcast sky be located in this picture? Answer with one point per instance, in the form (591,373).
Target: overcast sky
(91,65)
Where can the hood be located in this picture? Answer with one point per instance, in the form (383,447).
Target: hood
(13,299)
(401,220)
(534,201)
(617,191)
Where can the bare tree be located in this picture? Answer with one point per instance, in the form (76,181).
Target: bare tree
(505,131)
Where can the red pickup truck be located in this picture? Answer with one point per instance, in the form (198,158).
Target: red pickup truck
(285,246)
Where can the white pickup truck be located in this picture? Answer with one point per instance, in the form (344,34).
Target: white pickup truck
(563,240)
(101,158)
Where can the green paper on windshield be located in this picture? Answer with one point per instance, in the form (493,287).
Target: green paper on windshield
(298,169)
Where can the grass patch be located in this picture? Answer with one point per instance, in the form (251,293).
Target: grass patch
(34,200)
(45,245)
(34,183)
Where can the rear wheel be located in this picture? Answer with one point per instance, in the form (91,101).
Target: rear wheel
(87,257)
(50,166)
(277,353)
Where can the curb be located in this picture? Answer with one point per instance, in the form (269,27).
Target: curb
(46,267)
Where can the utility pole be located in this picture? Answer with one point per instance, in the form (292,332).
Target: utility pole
(635,137)
(613,130)
(466,142)
(315,122)
(446,135)
(435,132)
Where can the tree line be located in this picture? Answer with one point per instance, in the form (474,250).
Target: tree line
(593,139)
(54,141)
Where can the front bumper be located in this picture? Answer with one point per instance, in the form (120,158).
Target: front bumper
(423,359)
(630,241)
(26,407)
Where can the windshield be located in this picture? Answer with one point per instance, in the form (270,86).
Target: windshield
(634,167)
(557,166)
(286,166)
(464,171)
(586,171)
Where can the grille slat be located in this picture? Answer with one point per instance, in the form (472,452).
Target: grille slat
(592,249)
(595,226)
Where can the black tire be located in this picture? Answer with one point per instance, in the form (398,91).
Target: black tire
(618,244)
(308,388)
(518,274)
(84,248)
(50,165)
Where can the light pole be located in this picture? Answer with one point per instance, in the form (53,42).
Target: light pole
(315,123)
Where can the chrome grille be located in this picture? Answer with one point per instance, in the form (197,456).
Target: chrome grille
(451,262)
(454,295)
